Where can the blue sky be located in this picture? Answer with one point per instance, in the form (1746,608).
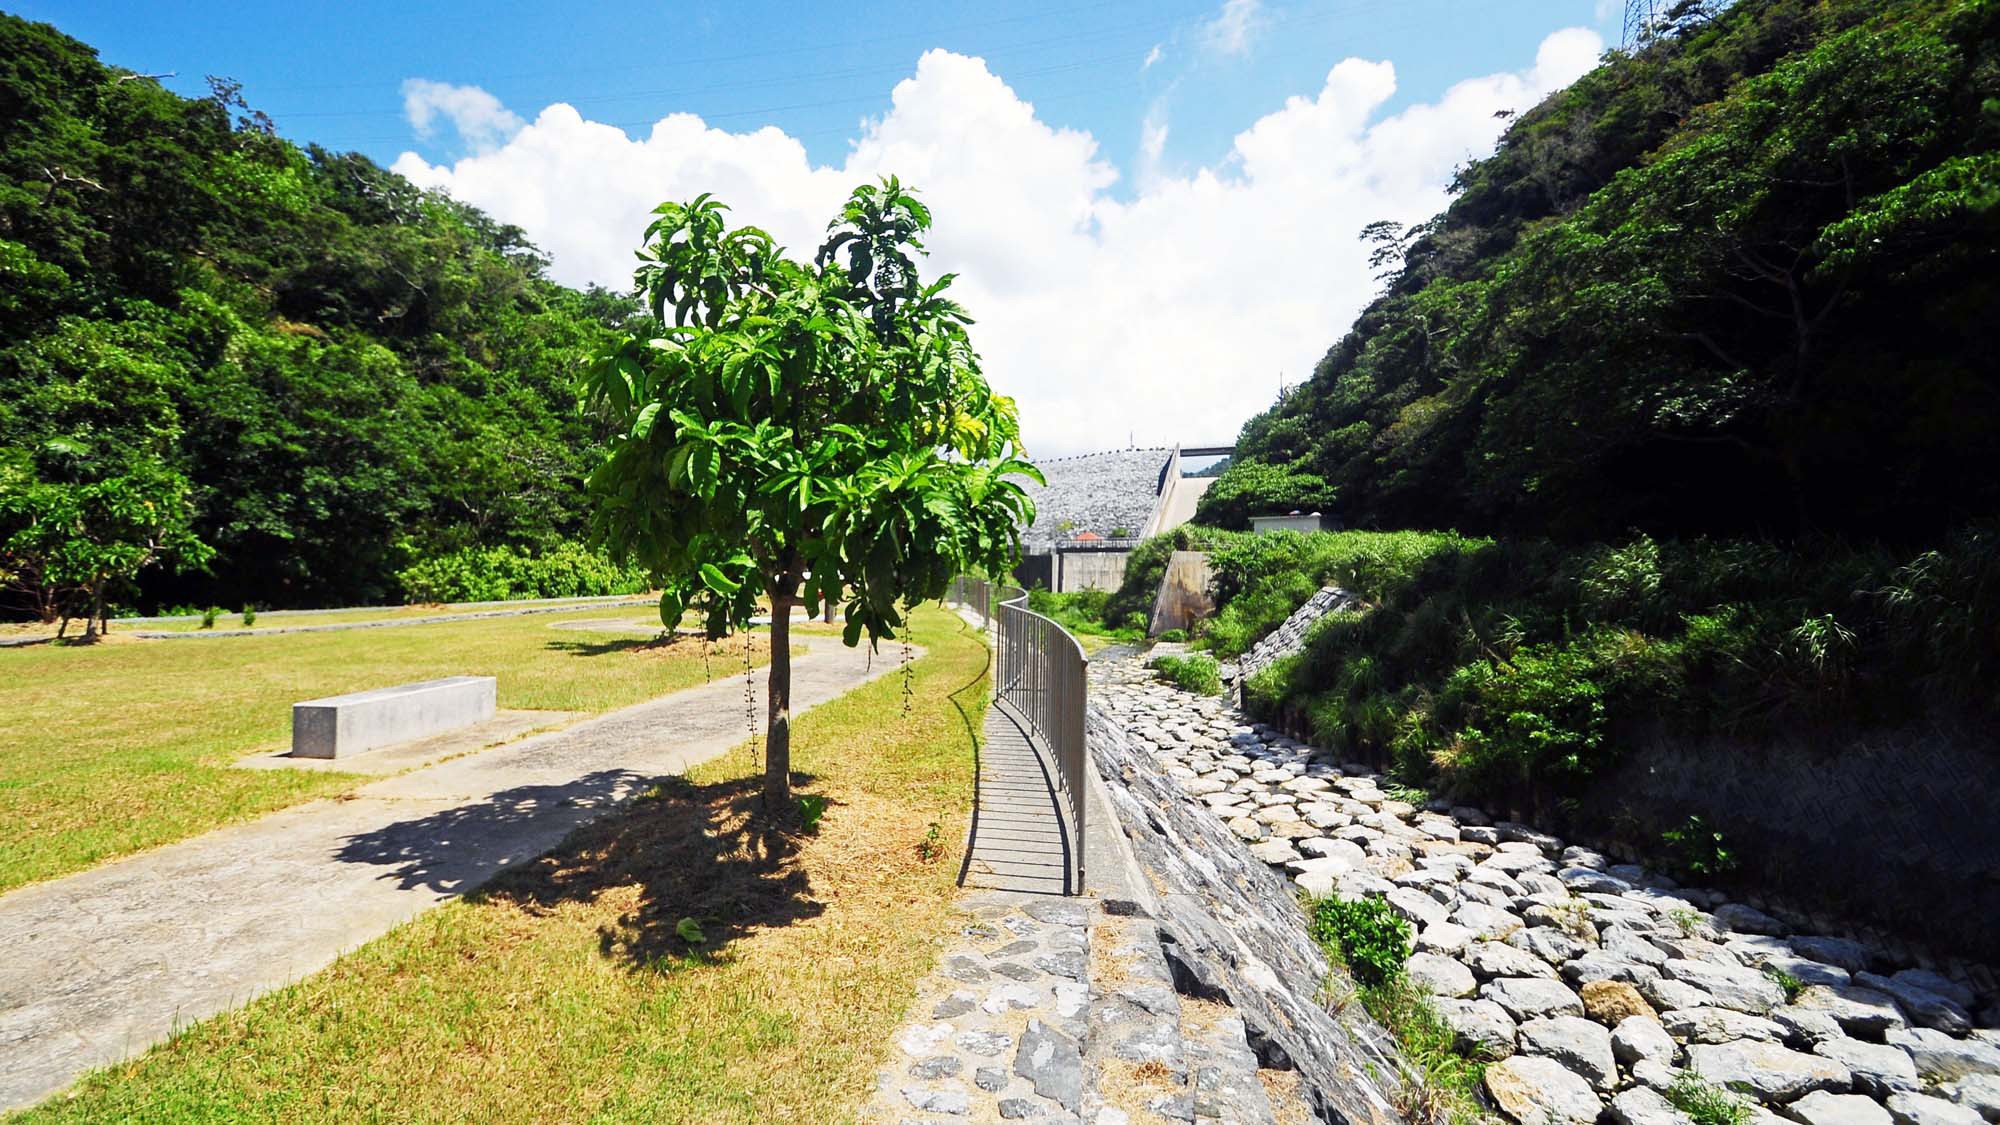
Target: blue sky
(1153,207)
(333,73)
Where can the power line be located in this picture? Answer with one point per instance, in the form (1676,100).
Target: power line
(1641,16)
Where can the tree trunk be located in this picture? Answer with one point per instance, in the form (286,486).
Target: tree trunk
(778,738)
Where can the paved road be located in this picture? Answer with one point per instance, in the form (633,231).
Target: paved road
(100,965)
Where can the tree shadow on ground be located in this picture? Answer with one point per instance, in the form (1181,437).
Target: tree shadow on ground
(682,853)
(454,850)
(623,644)
(708,854)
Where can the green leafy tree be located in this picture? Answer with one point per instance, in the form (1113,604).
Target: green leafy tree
(69,546)
(803,432)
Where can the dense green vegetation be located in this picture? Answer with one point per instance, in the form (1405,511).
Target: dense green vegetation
(286,373)
(1483,666)
(1438,1082)
(1740,282)
(1489,667)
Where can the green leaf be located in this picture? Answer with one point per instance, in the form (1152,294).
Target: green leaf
(714,579)
(642,426)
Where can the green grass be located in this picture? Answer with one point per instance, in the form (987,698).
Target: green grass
(563,992)
(125,745)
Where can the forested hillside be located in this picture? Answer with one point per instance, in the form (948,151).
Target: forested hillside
(1745,280)
(1672,443)
(286,373)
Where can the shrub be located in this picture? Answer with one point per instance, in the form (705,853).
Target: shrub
(492,574)
(1369,937)
(1196,672)
(1174,636)
(249,616)
(209,616)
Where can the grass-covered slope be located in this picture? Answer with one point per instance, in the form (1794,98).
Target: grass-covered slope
(341,374)
(1740,282)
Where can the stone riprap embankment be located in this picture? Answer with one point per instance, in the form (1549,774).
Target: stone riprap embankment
(1595,985)
(1291,636)
(1230,932)
(1102,493)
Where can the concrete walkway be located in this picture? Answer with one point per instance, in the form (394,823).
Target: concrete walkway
(102,964)
(1020,839)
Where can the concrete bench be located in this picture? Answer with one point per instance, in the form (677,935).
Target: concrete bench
(340,725)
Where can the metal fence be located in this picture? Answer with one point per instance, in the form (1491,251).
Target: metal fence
(1040,671)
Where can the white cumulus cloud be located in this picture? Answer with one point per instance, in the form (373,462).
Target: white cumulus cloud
(1167,313)
(481,122)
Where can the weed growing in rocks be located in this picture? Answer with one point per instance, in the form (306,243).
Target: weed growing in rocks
(1698,849)
(1197,673)
(1438,1083)
(1706,1103)
(1791,984)
(1365,934)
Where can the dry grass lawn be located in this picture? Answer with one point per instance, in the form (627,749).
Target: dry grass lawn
(565,991)
(115,747)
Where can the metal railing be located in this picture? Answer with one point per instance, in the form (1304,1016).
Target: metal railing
(1039,671)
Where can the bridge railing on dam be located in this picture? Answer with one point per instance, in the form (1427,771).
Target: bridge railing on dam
(1040,672)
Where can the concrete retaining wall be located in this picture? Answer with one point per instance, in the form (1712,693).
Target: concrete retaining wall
(1089,570)
(340,725)
(1899,829)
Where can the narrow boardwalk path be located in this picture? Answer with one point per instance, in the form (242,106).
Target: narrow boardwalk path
(102,964)
(1020,840)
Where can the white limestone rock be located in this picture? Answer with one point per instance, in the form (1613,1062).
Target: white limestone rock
(1743,989)
(1923,1109)
(1540,1091)
(1878,1068)
(1581,1045)
(1736,917)
(1527,998)
(1642,1105)
(1862,1012)
(1639,1039)
(1440,975)
(1977,1092)
(1942,1058)
(1718,1025)
(1480,1027)
(1823,1108)
(1774,1074)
